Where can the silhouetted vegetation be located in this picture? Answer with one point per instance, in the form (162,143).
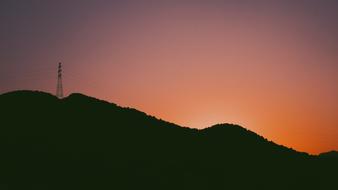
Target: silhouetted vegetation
(84,143)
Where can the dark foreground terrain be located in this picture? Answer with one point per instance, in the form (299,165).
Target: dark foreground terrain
(84,143)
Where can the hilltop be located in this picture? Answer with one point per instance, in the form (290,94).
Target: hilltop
(80,142)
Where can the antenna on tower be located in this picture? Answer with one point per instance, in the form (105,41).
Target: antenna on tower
(59,88)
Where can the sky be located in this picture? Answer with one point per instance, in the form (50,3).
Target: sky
(270,66)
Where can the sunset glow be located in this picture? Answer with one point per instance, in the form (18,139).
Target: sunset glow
(267,66)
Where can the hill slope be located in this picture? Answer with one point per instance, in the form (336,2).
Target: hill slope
(83,143)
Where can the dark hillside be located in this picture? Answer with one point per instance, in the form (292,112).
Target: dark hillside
(80,142)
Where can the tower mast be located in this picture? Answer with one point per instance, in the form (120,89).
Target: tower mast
(59,88)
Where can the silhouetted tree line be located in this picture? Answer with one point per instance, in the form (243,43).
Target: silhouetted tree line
(83,143)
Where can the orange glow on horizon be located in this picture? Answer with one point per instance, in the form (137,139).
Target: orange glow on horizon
(270,68)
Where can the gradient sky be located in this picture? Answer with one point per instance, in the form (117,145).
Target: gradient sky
(270,66)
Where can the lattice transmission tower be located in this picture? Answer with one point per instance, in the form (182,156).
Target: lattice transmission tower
(59,88)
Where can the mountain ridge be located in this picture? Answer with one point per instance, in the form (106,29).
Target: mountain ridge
(81,142)
(90,98)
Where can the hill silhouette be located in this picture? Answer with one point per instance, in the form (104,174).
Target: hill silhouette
(80,142)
